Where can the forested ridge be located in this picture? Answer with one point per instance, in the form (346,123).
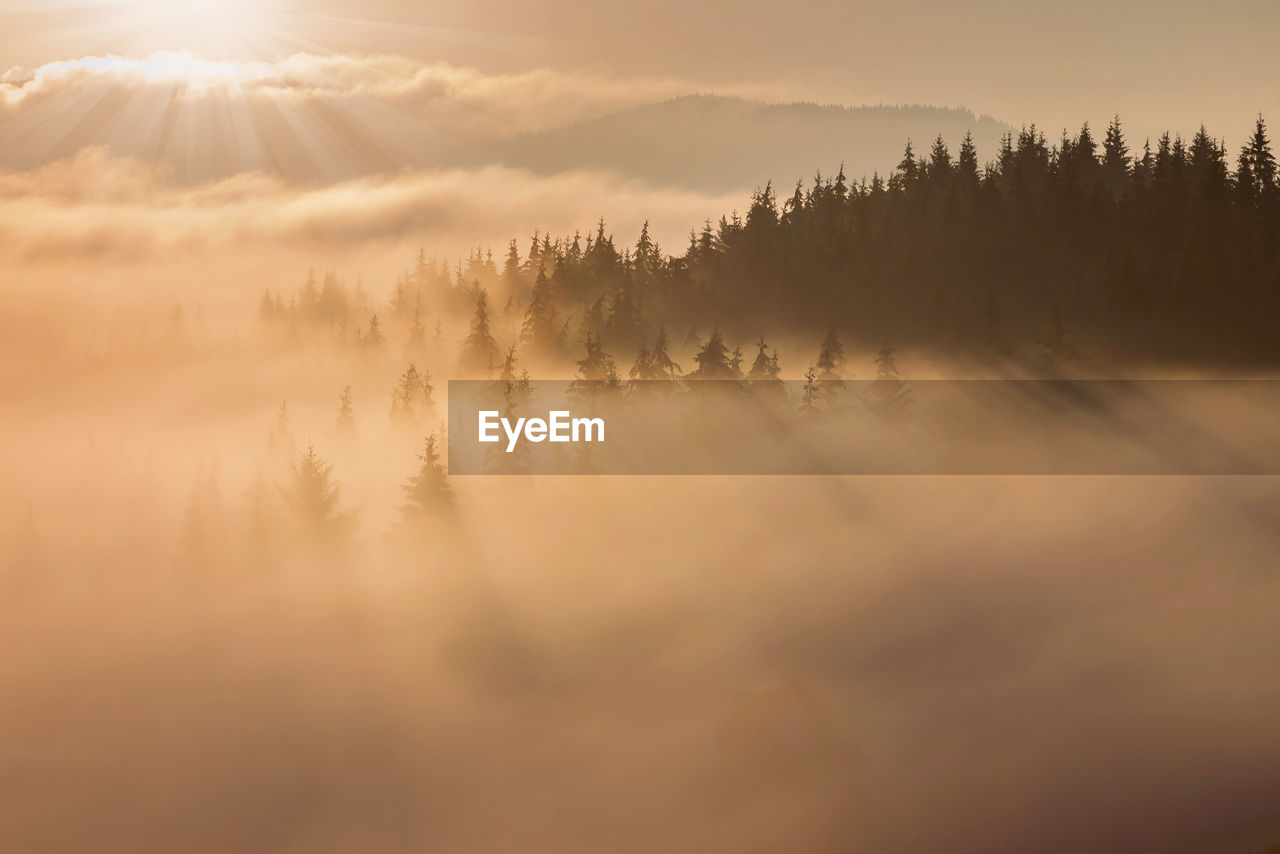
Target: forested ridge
(1166,253)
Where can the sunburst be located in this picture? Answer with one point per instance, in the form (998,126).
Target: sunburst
(205,110)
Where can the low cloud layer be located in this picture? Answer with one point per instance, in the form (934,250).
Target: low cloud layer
(96,205)
(308,117)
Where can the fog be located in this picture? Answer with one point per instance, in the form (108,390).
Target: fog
(583,663)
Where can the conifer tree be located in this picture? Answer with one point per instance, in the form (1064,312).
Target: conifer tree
(509,385)
(373,339)
(406,393)
(480,352)
(642,369)
(1115,160)
(967,176)
(735,364)
(764,378)
(596,365)
(810,394)
(888,397)
(346,422)
(661,359)
(1262,161)
(312,497)
(541,331)
(280,438)
(713,360)
(416,343)
(830,357)
(427,492)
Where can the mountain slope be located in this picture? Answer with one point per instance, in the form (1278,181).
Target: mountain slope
(716,143)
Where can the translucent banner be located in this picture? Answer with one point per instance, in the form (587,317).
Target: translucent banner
(886,426)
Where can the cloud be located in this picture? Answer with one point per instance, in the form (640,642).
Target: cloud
(97,205)
(480,102)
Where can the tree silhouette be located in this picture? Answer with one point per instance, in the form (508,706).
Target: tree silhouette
(346,422)
(541,331)
(888,395)
(713,360)
(427,492)
(480,352)
(411,386)
(764,378)
(312,497)
(373,339)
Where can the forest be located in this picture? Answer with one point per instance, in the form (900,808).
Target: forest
(263,606)
(1075,250)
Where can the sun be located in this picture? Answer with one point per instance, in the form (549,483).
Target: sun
(214,29)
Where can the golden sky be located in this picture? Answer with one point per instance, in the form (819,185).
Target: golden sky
(1173,63)
(218,120)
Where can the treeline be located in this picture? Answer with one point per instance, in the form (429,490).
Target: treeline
(1170,252)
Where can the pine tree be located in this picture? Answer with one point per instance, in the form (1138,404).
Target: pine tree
(406,392)
(541,330)
(830,359)
(509,385)
(280,438)
(1262,161)
(764,378)
(417,341)
(597,365)
(480,352)
(888,397)
(642,369)
(312,496)
(1115,160)
(661,359)
(346,423)
(735,364)
(373,339)
(967,176)
(713,360)
(597,373)
(405,299)
(427,492)
(811,394)
(940,162)
(830,356)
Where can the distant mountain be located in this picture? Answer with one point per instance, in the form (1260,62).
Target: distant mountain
(697,142)
(717,144)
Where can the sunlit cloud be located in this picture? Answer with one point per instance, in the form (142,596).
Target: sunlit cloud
(95,205)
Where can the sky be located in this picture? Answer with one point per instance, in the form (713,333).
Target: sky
(220,116)
(1174,63)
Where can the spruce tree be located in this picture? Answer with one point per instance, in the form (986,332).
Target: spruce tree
(888,397)
(811,394)
(1115,160)
(405,395)
(661,359)
(373,339)
(830,356)
(480,352)
(415,345)
(541,331)
(764,377)
(346,422)
(427,492)
(713,360)
(312,496)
